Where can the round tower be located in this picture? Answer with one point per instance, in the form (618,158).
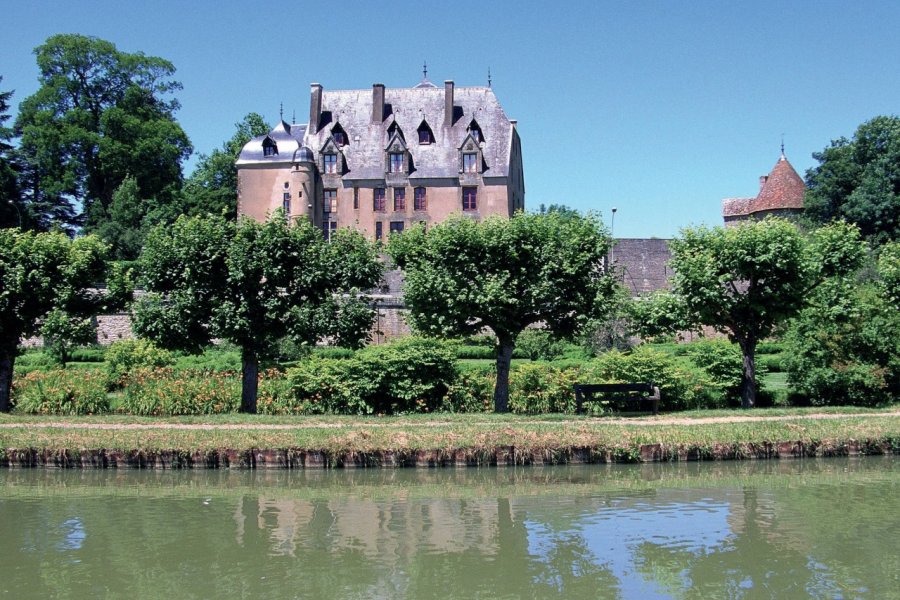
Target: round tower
(304,180)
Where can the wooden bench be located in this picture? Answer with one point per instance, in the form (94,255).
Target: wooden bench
(641,392)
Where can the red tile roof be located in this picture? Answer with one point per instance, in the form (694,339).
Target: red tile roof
(783,189)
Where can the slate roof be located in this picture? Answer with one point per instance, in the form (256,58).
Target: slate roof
(783,189)
(407,107)
(287,138)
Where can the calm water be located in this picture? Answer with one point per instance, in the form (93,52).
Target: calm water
(790,529)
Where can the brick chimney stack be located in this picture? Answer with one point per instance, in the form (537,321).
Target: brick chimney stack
(762,181)
(448,103)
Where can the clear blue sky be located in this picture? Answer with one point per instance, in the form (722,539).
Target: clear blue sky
(658,108)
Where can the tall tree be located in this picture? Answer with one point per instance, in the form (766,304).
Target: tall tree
(505,274)
(99,115)
(212,187)
(859,180)
(11,211)
(252,284)
(744,281)
(889,272)
(43,272)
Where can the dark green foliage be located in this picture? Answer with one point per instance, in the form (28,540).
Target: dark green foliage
(845,348)
(722,362)
(126,356)
(99,116)
(542,388)
(889,273)
(473,391)
(859,180)
(410,375)
(538,344)
(212,187)
(62,334)
(62,392)
(12,211)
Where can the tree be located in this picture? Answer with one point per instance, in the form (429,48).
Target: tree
(747,280)
(212,187)
(41,272)
(463,276)
(10,208)
(62,333)
(252,284)
(859,180)
(99,115)
(889,272)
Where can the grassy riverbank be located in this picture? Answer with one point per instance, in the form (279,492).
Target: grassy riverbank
(434,440)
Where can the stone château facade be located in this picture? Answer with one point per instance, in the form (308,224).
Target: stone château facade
(381,160)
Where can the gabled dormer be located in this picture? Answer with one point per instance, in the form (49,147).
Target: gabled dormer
(474,129)
(394,129)
(270,148)
(425,134)
(396,154)
(471,158)
(339,135)
(331,159)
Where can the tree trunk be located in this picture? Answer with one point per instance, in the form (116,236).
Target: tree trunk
(748,377)
(249,381)
(7,362)
(501,390)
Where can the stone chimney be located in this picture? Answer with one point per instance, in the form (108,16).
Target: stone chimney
(762,181)
(315,107)
(513,122)
(448,103)
(377,102)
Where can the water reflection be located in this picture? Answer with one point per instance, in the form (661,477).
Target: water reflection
(778,529)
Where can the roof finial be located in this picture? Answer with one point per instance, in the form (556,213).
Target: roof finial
(424,69)
(782,145)
(489,77)
(294,116)
(281,111)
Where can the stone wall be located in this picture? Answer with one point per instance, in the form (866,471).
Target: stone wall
(643,264)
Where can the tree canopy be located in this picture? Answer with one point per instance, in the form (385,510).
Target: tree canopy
(746,280)
(212,187)
(99,116)
(252,284)
(11,214)
(462,276)
(44,272)
(858,180)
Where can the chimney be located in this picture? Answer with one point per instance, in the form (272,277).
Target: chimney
(377,102)
(315,107)
(448,103)
(513,122)
(762,181)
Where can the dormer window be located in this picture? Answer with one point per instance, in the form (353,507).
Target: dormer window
(394,128)
(269,147)
(339,135)
(475,130)
(425,134)
(396,162)
(470,162)
(330,163)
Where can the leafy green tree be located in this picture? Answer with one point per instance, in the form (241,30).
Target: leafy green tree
(889,272)
(99,115)
(212,187)
(747,280)
(62,333)
(41,272)
(859,180)
(11,211)
(463,276)
(252,284)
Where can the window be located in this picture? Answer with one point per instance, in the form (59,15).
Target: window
(269,147)
(378,231)
(328,229)
(475,130)
(396,164)
(286,203)
(329,204)
(399,198)
(425,134)
(287,185)
(378,200)
(419,199)
(396,227)
(331,163)
(339,135)
(356,198)
(470,162)
(470,198)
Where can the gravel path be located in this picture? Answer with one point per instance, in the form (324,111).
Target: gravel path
(400,424)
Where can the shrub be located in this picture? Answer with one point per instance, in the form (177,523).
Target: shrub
(680,388)
(538,344)
(723,362)
(475,352)
(164,391)
(541,388)
(214,359)
(473,391)
(125,356)
(61,392)
(324,385)
(772,363)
